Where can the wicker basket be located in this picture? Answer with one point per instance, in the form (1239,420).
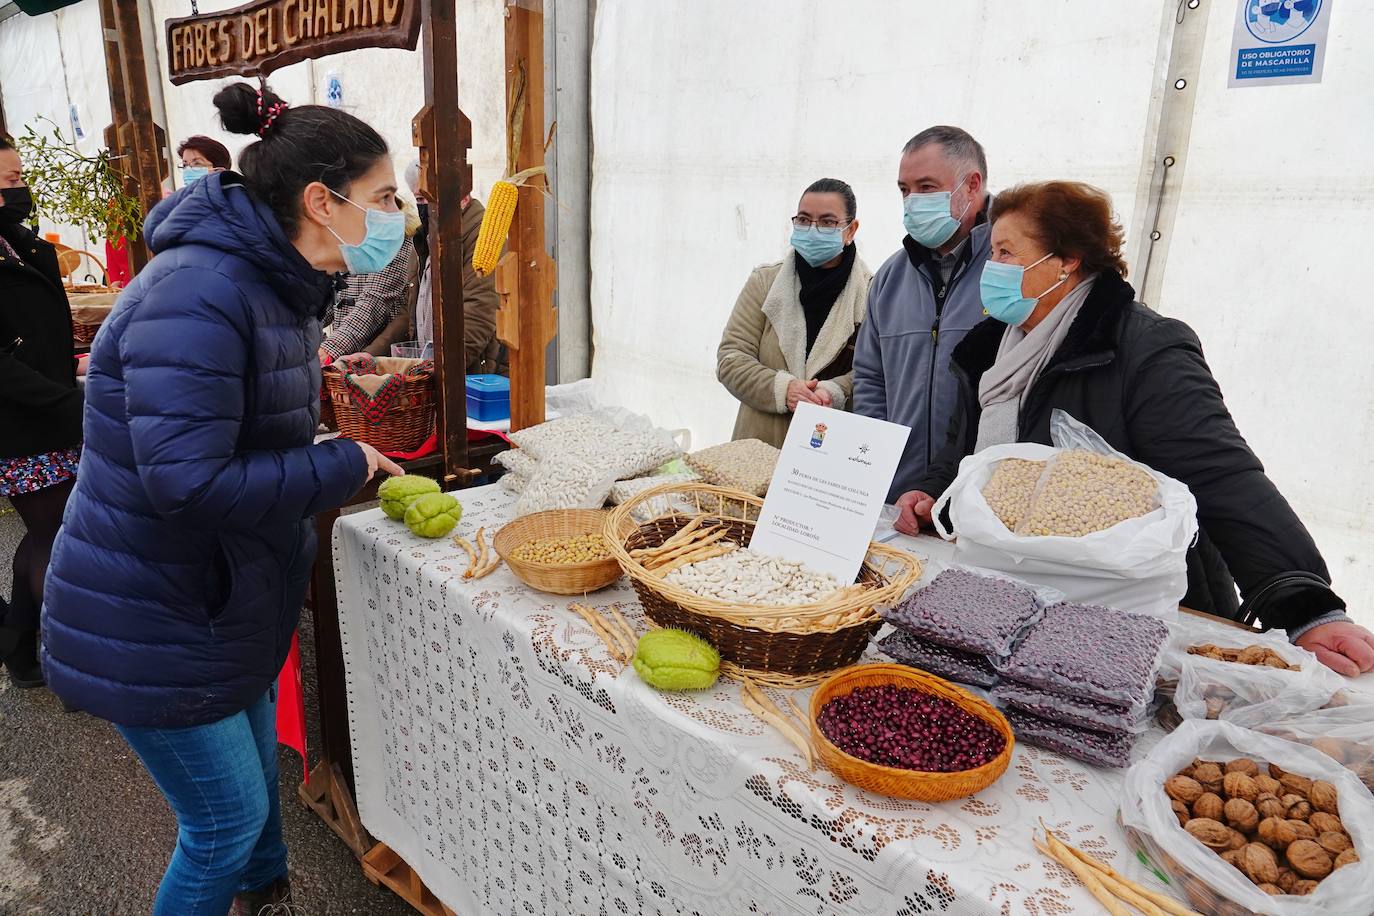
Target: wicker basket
(559,578)
(90,305)
(790,646)
(893,781)
(407,423)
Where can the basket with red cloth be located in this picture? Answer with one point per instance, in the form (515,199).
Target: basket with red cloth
(385,401)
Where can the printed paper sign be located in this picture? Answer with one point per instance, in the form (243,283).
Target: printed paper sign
(1279,43)
(828,489)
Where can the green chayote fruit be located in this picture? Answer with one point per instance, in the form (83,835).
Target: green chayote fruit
(676,660)
(433,515)
(397,493)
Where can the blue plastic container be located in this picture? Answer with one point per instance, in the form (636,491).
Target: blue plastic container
(488,397)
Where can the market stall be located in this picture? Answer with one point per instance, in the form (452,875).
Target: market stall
(511,761)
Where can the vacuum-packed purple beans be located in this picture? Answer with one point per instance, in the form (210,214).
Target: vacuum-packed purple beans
(964,667)
(1071,711)
(1101,749)
(968,612)
(1092,653)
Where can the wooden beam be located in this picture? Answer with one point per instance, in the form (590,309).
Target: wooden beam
(530,295)
(444,136)
(116,134)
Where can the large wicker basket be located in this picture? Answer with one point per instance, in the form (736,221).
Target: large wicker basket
(558,578)
(784,646)
(90,305)
(407,422)
(893,781)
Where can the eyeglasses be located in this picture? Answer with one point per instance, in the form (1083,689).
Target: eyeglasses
(802,222)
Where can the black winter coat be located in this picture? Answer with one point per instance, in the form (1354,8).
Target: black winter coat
(1139,379)
(40,404)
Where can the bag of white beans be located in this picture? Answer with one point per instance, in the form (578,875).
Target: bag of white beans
(1137,564)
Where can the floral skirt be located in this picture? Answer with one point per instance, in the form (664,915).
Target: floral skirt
(37,472)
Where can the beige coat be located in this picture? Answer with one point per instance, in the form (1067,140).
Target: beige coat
(764,346)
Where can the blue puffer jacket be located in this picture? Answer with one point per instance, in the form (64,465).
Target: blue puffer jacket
(180,570)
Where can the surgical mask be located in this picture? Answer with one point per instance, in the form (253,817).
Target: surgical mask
(385,231)
(1000,287)
(192,173)
(817,245)
(927,216)
(18,204)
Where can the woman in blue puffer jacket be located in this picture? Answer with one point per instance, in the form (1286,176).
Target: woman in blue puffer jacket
(180,570)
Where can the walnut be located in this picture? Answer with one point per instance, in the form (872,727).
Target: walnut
(1277,832)
(1273,890)
(1275,771)
(1241,815)
(1210,777)
(1334,748)
(1181,811)
(1323,822)
(1303,888)
(1268,785)
(1260,863)
(1346,858)
(1184,789)
(1215,707)
(1234,857)
(1243,765)
(1269,806)
(1209,805)
(1252,655)
(1300,812)
(1302,829)
(1334,841)
(1309,860)
(1299,785)
(1323,797)
(1238,785)
(1274,660)
(1291,799)
(1287,878)
(1236,840)
(1212,834)
(1366,773)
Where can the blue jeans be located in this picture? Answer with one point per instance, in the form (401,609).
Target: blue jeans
(221,781)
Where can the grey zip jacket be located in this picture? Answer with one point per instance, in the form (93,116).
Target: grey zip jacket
(901,359)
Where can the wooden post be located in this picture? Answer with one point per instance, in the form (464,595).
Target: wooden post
(132,137)
(525,277)
(444,134)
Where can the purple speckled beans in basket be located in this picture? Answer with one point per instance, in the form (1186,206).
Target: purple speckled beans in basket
(1092,653)
(1097,748)
(1079,713)
(969,612)
(964,667)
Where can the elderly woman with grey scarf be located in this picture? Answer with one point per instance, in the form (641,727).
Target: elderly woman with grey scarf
(1066,332)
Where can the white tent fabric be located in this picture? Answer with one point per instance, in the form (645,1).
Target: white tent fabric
(1271,243)
(702,154)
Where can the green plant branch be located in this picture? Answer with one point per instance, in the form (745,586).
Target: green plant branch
(69,186)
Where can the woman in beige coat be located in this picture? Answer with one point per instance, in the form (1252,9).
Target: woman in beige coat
(791,336)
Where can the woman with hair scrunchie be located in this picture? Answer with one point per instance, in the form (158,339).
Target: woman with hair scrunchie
(179,573)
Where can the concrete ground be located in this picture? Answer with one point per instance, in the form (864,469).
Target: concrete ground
(84,832)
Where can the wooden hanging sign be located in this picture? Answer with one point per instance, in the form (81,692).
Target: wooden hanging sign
(263,36)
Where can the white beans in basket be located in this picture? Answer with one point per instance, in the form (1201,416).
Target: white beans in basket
(746,577)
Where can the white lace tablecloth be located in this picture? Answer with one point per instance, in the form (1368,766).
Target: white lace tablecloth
(510,762)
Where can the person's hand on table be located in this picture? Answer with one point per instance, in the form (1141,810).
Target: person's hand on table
(798,391)
(377,461)
(1344,647)
(915,508)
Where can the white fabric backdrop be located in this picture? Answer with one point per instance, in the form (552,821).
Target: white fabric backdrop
(701,154)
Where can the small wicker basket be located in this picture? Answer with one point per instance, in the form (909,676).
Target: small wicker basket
(559,578)
(893,781)
(791,646)
(408,421)
(90,305)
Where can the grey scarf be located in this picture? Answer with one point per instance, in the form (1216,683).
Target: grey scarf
(1021,357)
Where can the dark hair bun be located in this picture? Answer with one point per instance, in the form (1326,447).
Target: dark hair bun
(238,107)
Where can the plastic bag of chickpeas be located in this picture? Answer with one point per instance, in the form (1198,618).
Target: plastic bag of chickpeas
(1079,517)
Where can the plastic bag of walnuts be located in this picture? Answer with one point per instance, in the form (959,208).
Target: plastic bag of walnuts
(1138,564)
(1213,863)
(1343,730)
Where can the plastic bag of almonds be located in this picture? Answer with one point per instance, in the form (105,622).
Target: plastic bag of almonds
(746,464)
(1251,690)
(1226,864)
